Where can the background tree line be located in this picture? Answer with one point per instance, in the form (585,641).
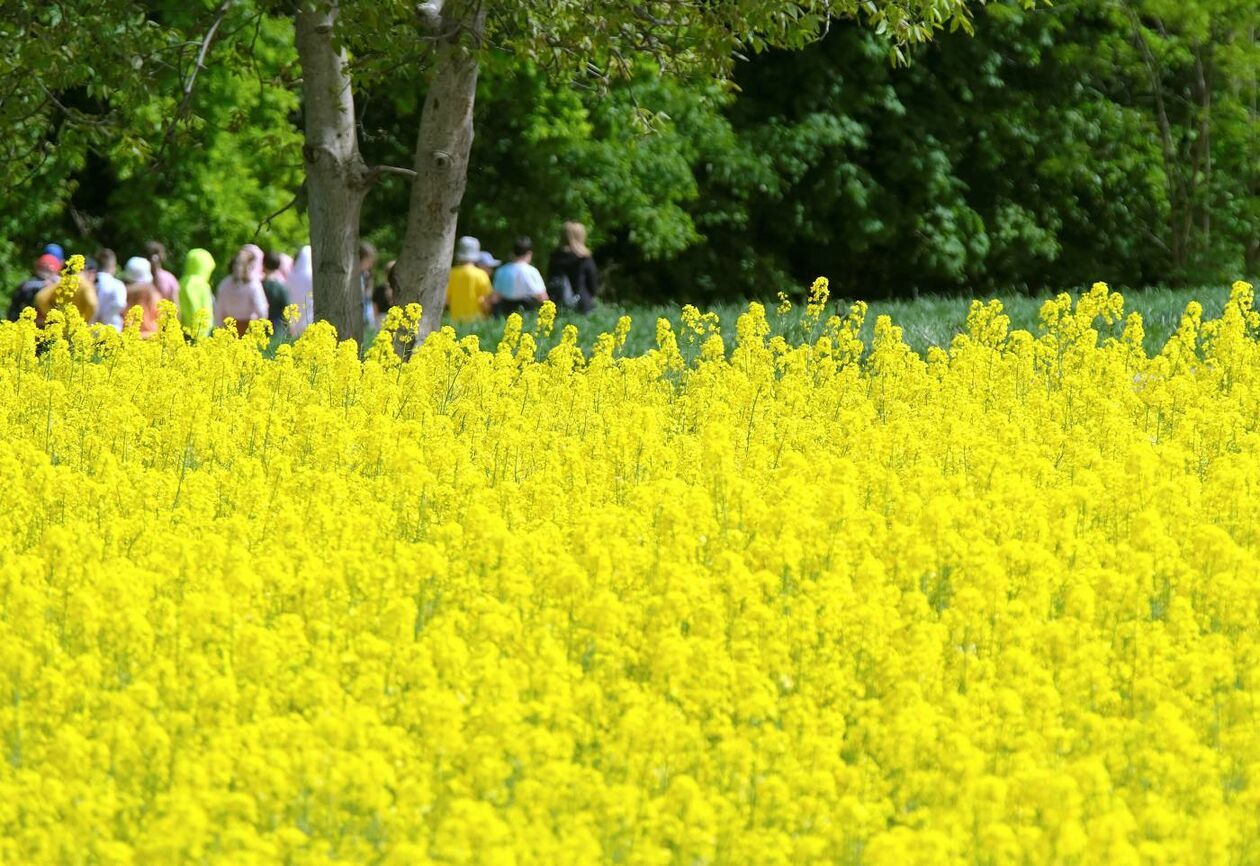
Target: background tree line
(1090,140)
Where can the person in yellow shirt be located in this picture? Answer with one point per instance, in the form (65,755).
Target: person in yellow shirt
(468,292)
(84,298)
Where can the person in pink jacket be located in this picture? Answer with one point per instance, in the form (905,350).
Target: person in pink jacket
(240,295)
(163,280)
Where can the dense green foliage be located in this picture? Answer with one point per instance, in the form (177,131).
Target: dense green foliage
(125,156)
(1034,155)
(1029,156)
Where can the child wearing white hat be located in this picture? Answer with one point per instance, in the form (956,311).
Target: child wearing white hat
(138,275)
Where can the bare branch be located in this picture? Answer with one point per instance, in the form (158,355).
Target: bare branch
(34,172)
(375,172)
(70,113)
(266,223)
(198,65)
(201,54)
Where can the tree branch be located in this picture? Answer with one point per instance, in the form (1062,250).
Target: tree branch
(71,114)
(375,172)
(201,54)
(34,172)
(266,223)
(198,65)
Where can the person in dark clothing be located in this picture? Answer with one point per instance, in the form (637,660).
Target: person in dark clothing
(572,279)
(44,274)
(383,294)
(276,290)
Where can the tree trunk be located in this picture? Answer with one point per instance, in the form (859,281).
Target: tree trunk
(442,148)
(336,176)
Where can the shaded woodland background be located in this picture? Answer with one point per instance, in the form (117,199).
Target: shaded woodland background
(1090,140)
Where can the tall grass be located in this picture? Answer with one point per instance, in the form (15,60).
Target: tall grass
(926,321)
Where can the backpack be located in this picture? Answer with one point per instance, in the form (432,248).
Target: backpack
(560,290)
(24,297)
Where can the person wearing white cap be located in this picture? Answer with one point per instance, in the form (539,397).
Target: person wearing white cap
(488,263)
(142,293)
(468,291)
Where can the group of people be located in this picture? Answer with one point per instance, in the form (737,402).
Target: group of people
(261,285)
(481,285)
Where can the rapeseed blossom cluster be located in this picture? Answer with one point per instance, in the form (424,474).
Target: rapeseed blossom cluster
(740,600)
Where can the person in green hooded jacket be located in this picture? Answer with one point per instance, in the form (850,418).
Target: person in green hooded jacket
(195,295)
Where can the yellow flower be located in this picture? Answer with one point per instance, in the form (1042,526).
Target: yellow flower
(803,600)
(819,293)
(546,318)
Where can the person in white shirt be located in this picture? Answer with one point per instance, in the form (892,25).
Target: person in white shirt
(111,293)
(518,285)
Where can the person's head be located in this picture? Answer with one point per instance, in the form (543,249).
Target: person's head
(273,264)
(383,294)
(573,239)
(487,262)
(367,256)
(137,271)
(198,263)
(467,250)
(522,249)
(156,254)
(47,266)
(106,260)
(248,264)
(88,274)
(58,252)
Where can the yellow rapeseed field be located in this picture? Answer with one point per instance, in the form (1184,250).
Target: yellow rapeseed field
(740,600)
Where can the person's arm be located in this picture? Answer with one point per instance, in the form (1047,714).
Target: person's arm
(538,286)
(487,297)
(259,300)
(217,307)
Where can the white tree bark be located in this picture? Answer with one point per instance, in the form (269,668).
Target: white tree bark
(336,177)
(442,149)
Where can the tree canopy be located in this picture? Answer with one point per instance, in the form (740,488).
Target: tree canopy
(1034,154)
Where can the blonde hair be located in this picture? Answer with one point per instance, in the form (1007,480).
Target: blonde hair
(574,239)
(248,265)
